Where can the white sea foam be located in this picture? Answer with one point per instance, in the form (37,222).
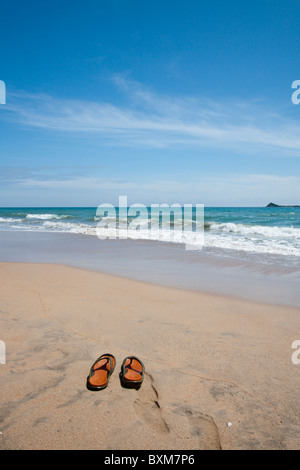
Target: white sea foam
(9,220)
(46,216)
(253,238)
(272,246)
(70,227)
(250,230)
(226,236)
(256,239)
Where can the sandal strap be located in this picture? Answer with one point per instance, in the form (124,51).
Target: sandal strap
(103,367)
(131,368)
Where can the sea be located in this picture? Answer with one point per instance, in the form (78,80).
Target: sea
(259,230)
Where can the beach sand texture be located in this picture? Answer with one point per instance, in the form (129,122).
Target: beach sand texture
(209,360)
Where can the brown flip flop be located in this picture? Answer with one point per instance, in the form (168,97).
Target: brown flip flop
(132,372)
(100,372)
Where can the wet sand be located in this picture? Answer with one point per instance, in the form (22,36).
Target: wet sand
(249,276)
(210,359)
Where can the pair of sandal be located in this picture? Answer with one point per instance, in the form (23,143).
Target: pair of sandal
(131,375)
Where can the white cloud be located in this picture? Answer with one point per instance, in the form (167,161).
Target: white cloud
(151,120)
(234,189)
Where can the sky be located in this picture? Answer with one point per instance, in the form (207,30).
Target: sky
(162,101)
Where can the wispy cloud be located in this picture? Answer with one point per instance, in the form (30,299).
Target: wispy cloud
(152,120)
(253,189)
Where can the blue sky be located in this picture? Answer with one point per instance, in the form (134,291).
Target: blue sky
(162,101)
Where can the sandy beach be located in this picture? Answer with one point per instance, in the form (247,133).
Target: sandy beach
(210,360)
(150,214)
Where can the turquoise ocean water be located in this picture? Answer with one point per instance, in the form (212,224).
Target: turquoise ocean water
(258,230)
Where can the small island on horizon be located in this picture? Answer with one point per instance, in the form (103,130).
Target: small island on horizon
(271,204)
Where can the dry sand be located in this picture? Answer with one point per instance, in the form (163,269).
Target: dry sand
(209,360)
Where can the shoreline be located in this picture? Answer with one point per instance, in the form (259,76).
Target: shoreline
(272,279)
(209,360)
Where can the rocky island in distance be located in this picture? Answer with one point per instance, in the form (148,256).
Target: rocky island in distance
(276,205)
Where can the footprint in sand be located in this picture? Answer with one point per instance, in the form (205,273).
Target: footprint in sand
(204,427)
(147,407)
